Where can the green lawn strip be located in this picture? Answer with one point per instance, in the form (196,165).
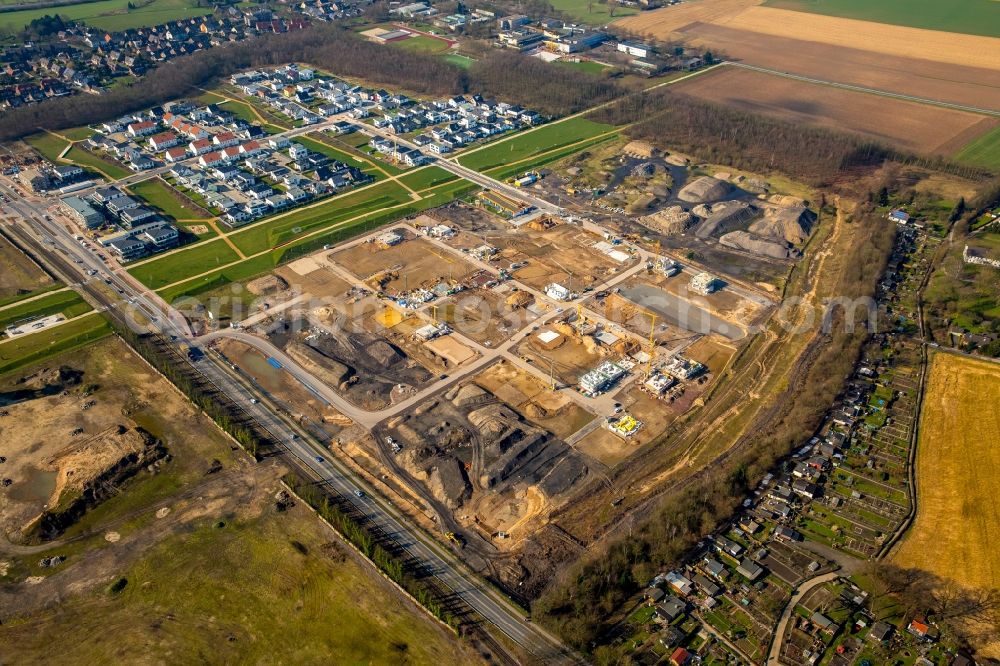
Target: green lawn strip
(77,133)
(594,13)
(160,195)
(339,233)
(973,17)
(97,163)
(337,154)
(533,142)
(27,349)
(184,263)
(246,112)
(68,302)
(265,235)
(111,15)
(30,294)
(507,171)
(982,151)
(431,176)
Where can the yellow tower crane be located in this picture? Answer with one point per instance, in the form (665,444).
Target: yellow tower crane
(652,343)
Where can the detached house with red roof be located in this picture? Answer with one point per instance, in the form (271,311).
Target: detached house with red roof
(176,154)
(143,128)
(163,140)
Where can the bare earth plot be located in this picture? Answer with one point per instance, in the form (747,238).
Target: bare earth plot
(18,273)
(958,510)
(908,125)
(190,559)
(951,67)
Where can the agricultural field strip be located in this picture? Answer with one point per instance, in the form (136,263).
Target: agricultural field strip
(863,89)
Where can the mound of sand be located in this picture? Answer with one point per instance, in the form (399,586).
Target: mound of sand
(469,394)
(535,411)
(642,149)
(701,190)
(766,247)
(790,224)
(384,353)
(670,220)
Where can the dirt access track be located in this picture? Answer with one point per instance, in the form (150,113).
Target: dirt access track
(920,128)
(951,67)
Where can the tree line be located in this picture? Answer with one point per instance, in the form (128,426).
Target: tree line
(547,88)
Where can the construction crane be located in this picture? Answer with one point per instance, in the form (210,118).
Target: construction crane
(581,319)
(652,343)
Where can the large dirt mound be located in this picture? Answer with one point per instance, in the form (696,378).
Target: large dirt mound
(326,369)
(767,247)
(701,190)
(671,220)
(791,224)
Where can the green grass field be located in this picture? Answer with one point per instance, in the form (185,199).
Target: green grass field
(465,62)
(337,232)
(266,235)
(96,162)
(109,14)
(588,66)
(533,142)
(184,263)
(68,302)
(594,13)
(269,588)
(246,112)
(973,17)
(421,44)
(337,154)
(422,179)
(983,151)
(49,145)
(21,351)
(171,202)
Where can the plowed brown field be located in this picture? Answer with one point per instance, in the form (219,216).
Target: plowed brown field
(963,69)
(911,126)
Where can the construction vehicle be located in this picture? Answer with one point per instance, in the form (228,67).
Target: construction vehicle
(455,539)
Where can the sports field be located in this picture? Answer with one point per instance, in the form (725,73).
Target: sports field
(421,44)
(984,151)
(973,17)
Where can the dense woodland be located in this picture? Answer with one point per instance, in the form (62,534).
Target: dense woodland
(546,88)
(579,604)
